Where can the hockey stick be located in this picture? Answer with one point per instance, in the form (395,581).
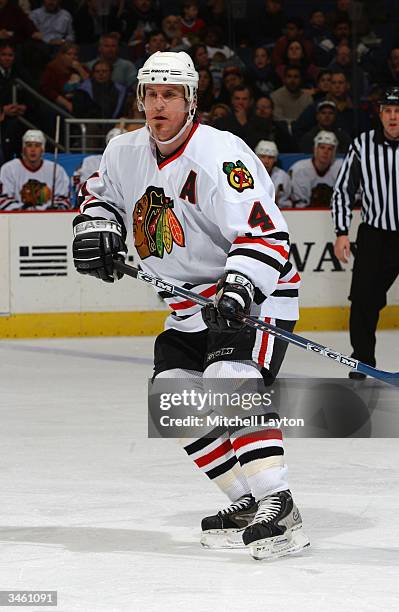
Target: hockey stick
(391,378)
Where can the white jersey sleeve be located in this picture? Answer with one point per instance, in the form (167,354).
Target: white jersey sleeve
(283,187)
(61,189)
(9,199)
(242,205)
(301,179)
(101,195)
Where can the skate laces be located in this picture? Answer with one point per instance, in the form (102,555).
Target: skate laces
(241,504)
(268,509)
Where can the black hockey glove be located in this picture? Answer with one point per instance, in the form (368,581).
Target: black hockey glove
(97,243)
(234,296)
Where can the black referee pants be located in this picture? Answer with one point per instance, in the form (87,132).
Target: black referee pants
(375,269)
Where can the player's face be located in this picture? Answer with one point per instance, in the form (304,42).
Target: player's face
(165,110)
(389,116)
(32,151)
(268,161)
(324,154)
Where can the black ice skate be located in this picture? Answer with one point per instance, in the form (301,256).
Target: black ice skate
(276,529)
(224,529)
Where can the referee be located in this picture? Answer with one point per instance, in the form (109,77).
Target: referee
(372,163)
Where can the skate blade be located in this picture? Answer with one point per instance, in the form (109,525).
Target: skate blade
(280,546)
(222,538)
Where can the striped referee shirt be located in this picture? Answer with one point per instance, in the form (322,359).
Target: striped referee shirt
(372,163)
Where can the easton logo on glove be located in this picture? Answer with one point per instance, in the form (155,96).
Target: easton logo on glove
(238,176)
(155,225)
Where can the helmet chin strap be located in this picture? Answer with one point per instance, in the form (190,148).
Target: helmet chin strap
(189,120)
(174,138)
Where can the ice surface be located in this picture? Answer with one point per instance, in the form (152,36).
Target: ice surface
(93,509)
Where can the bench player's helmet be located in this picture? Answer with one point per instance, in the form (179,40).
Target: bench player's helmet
(34,136)
(267,147)
(325,137)
(170,68)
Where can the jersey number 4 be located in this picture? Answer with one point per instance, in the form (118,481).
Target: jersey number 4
(259,217)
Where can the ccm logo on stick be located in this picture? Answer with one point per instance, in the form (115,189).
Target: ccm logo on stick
(155,281)
(333,355)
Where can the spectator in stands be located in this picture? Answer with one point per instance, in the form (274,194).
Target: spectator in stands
(191,23)
(313,179)
(124,72)
(322,38)
(99,96)
(326,117)
(213,38)
(295,56)
(274,130)
(140,17)
(15,25)
(200,57)
(156,41)
(389,75)
(131,111)
(339,94)
(206,97)
(324,47)
(294,31)
(53,23)
(323,86)
(342,11)
(264,24)
(63,75)
(290,100)
(354,74)
(33,183)
(218,111)
(261,73)
(267,152)
(232,78)
(89,22)
(171,27)
(11,129)
(242,122)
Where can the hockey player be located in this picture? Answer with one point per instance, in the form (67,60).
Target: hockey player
(267,152)
(313,179)
(27,183)
(91,163)
(200,205)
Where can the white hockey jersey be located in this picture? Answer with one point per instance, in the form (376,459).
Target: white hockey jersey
(309,188)
(90,164)
(282,187)
(205,209)
(25,189)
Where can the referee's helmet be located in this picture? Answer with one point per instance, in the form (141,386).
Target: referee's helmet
(390,97)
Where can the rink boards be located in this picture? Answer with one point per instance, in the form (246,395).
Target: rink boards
(41,294)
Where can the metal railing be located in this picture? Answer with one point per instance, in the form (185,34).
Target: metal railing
(19,84)
(86,141)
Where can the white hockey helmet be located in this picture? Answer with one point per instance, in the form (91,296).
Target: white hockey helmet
(169,68)
(266,147)
(34,136)
(113,134)
(324,137)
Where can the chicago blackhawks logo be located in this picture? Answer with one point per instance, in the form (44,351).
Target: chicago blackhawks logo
(238,176)
(34,193)
(155,225)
